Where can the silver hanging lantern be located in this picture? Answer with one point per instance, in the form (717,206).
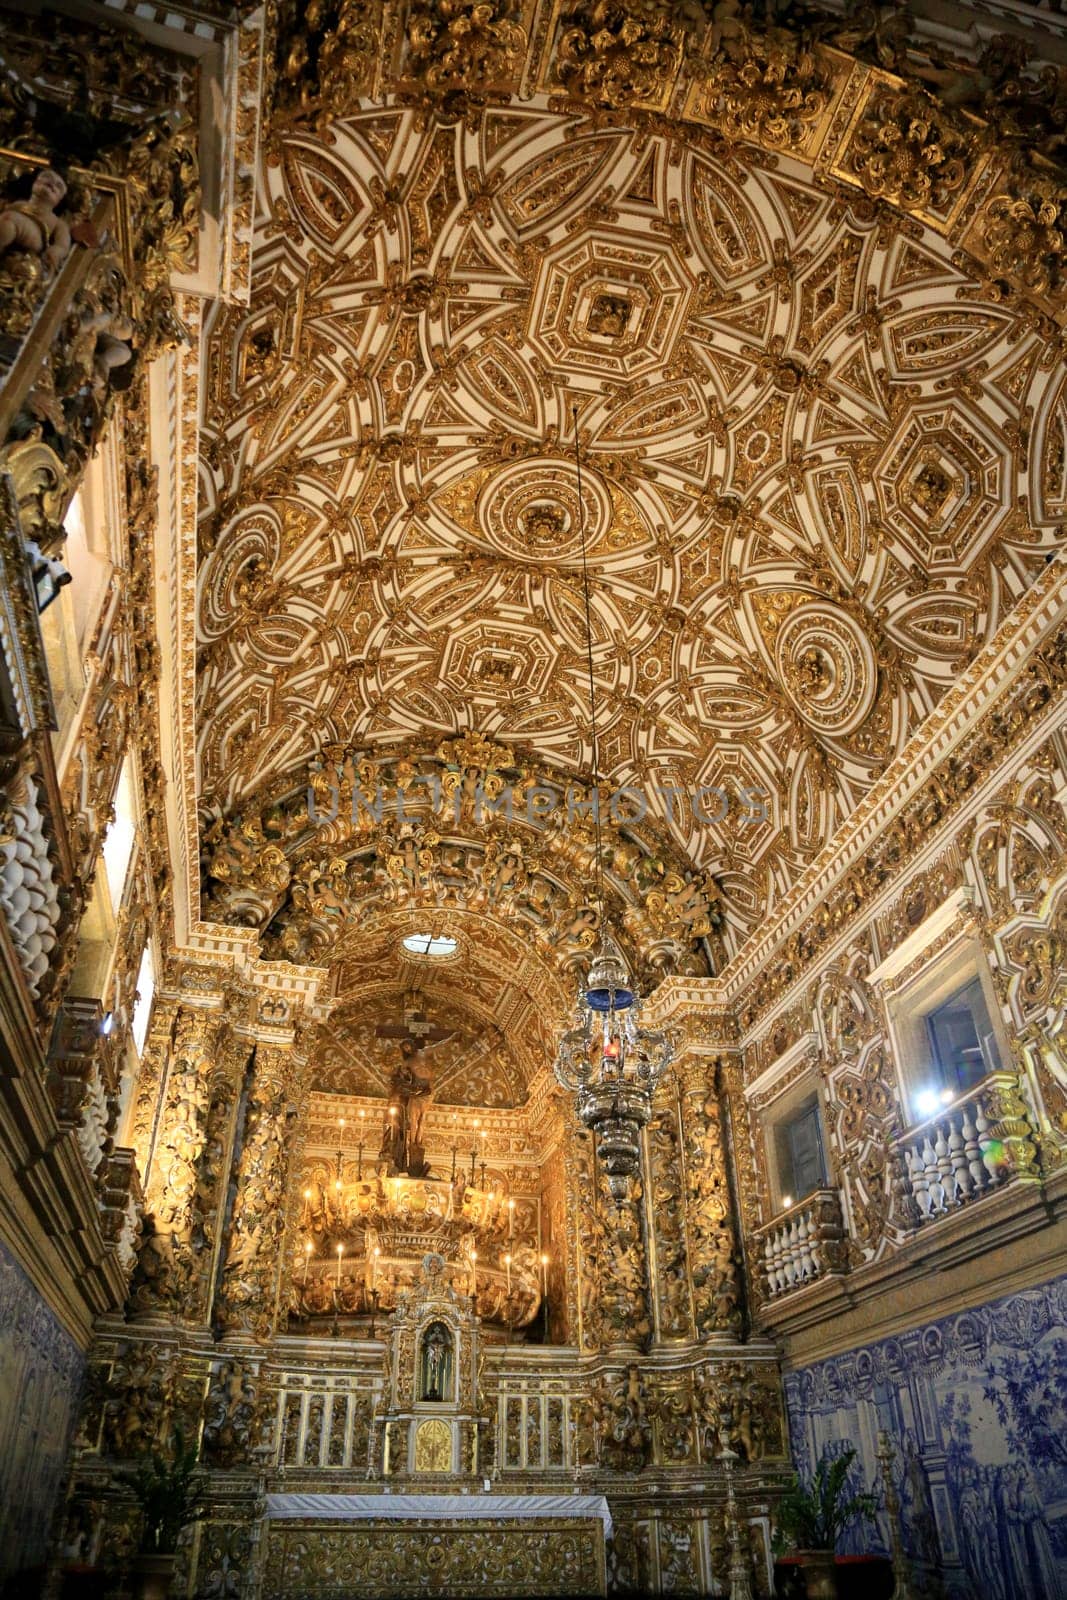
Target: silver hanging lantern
(612,1065)
(607,1061)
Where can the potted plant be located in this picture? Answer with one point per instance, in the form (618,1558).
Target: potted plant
(165,1493)
(810,1518)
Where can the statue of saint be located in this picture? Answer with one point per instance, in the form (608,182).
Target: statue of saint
(436,1373)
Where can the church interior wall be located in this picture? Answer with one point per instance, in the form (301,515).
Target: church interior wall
(181,1138)
(975,1402)
(41,1373)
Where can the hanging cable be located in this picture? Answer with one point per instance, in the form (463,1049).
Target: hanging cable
(592,682)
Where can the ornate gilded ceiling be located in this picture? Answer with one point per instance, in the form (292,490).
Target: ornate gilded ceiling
(821,460)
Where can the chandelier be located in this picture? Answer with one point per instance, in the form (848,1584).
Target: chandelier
(610,1064)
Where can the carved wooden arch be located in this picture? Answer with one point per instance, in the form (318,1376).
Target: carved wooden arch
(469,831)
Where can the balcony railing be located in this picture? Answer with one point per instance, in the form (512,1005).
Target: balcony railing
(972,1147)
(84,1085)
(804,1243)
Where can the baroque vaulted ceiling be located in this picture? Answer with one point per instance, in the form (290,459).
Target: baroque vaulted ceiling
(821,459)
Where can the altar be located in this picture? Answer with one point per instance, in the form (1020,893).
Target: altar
(343,1546)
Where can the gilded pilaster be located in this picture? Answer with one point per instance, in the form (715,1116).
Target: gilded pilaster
(248,1292)
(670,1274)
(168,1271)
(713,1250)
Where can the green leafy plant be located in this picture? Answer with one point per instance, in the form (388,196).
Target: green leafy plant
(811,1517)
(165,1493)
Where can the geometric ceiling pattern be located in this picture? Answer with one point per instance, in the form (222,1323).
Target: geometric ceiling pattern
(819,464)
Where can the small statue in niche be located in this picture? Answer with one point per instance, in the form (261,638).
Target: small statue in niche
(435,1367)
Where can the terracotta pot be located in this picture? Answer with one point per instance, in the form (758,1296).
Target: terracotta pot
(151,1577)
(816,1568)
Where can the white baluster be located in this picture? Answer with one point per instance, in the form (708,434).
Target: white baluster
(972,1150)
(989,1146)
(790,1253)
(960,1180)
(934,1187)
(807,1261)
(917,1179)
(944,1165)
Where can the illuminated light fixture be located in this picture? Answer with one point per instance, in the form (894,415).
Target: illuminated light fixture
(927,1102)
(610,1063)
(107,1022)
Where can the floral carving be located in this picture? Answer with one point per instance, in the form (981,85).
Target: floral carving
(460,46)
(768,87)
(1025,234)
(906,150)
(617,54)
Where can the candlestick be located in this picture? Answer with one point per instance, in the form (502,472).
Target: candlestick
(474,1151)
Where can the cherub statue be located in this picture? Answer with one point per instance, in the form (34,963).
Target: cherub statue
(32,225)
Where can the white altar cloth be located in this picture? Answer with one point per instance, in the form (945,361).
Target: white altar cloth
(437,1507)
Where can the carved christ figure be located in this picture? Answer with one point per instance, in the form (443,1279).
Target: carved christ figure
(410,1091)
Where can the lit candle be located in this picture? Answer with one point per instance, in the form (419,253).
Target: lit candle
(340,1253)
(507,1265)
(474,1269)
(307,1258)
(511,1219)
(374,1266)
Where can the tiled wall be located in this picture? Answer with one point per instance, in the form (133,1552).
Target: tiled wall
(977,1406)
(41,1371)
